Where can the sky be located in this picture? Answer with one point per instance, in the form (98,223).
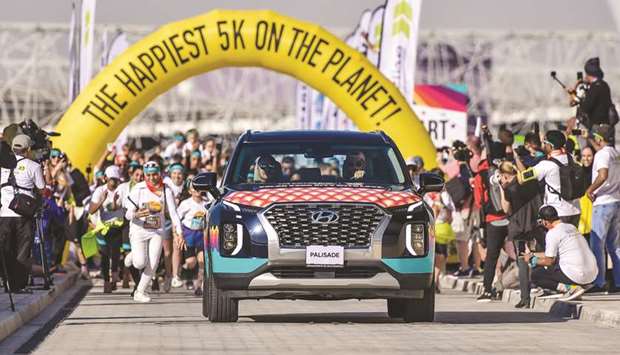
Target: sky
(544,15)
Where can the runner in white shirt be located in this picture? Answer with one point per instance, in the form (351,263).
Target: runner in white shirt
(176,147)
(568,265)
(107,202)
(193,212)
(605,195)
(172,255)
(147,215)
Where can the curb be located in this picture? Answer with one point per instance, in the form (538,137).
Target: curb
(557,308)
(26,312)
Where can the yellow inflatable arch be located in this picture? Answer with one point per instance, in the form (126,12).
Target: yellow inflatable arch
(230,38)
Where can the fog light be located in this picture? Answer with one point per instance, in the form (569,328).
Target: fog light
(414,234)
(232,235)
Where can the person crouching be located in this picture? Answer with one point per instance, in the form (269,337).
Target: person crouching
(568,265)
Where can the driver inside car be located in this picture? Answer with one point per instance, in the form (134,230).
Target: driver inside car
(354,167)
(267,169)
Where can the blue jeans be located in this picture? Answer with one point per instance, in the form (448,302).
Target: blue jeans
(605,233)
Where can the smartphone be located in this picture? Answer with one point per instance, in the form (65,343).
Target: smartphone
(528,175)
(579,76)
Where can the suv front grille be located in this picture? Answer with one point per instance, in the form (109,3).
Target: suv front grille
(296,228)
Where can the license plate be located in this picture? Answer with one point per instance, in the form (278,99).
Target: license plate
(324,256)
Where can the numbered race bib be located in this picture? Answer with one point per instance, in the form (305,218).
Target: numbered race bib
(152,222)
(198,220)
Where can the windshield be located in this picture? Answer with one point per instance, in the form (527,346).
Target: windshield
(315,163)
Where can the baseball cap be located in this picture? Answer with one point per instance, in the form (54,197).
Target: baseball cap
(113,172)
(604,131)
(416,160)
(555,138)
(21,141)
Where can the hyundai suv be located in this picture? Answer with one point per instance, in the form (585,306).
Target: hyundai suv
(318,215)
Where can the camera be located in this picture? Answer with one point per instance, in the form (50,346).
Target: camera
(461,152)
(41,144)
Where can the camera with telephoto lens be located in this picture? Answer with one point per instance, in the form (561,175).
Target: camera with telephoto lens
(41,144)
(461,152)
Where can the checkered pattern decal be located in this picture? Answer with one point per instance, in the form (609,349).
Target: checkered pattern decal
(265,197)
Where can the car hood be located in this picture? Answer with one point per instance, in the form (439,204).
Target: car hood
(265,197)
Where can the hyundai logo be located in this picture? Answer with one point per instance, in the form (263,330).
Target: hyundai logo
(324,216)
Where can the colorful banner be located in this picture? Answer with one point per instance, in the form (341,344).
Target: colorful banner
(443,109)
(399,41)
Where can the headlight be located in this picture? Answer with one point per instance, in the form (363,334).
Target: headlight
(415,240)
(232,235)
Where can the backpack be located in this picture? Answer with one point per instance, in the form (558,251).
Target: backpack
(573,182)
(491,196)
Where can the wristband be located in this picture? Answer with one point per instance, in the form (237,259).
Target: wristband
(534,261)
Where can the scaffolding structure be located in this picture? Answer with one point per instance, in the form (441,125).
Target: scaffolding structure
(507,74)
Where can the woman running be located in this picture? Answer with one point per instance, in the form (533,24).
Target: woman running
(106,201)
(148,202)
(172,255)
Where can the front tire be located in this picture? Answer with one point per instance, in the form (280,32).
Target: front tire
(205,297)
(220,308)
(420,310)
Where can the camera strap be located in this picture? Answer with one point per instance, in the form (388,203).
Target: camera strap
(11,181)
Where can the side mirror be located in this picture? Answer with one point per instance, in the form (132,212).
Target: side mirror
(430,183)
(206,182)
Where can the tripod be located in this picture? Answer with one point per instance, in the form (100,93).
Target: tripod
(40,237)
(5,276)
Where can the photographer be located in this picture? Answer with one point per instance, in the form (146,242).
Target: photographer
(460,171)
(548,171)
(521,204)
(594,106)
(487,197)
(17,230)
(568,265)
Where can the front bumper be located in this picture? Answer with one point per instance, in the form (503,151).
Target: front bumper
(261,278)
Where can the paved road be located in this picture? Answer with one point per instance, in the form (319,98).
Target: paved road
(173,324)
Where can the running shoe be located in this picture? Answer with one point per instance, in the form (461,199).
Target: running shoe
(198,291)
(167,284)
(189,285)
(485,297)
(574,293)
(176,282)
(141,297)
(464,273)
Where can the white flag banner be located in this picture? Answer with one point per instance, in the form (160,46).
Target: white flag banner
(74,78)
(304,105)
(317,100)
(87,34)
(117,46)
(399,40)
(373,35)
